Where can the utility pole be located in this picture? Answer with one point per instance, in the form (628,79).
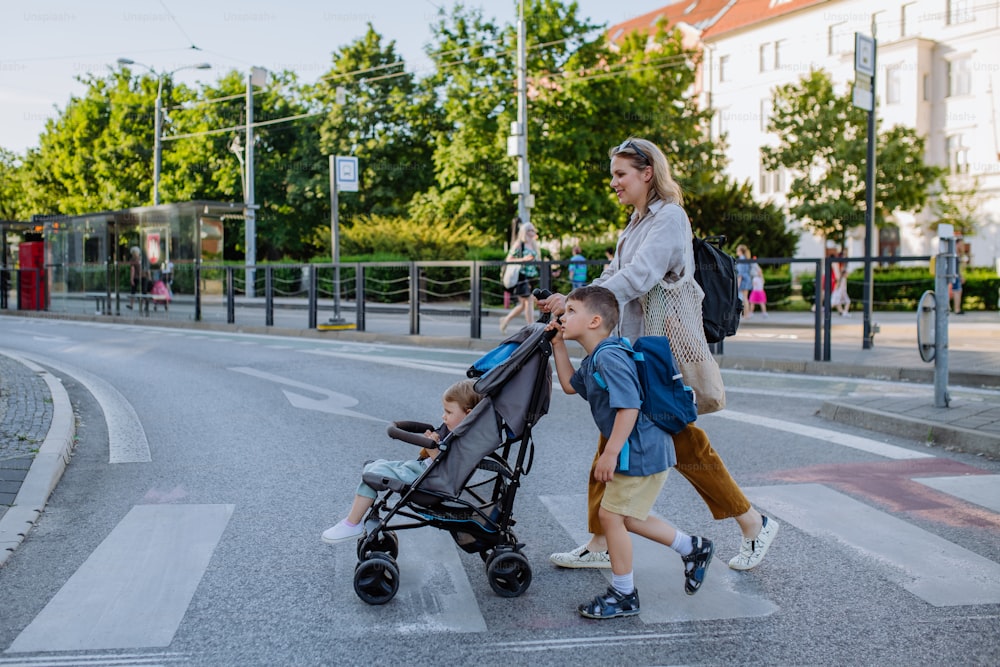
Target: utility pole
(257,76)
(517,143)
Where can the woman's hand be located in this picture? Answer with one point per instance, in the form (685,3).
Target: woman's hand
(555,304)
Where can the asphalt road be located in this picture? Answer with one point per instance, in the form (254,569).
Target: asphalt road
(203,547)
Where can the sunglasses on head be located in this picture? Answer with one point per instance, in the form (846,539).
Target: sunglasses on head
(627,144)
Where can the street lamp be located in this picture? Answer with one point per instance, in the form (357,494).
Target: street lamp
(158,119)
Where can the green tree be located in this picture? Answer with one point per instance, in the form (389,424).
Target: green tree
(957,203)
(11,187)
(822,141)
(728,208)
(98,154)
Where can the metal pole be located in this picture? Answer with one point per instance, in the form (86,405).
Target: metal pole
(943,272)
(869,287)
(335,241)
(157,144)
(250,212)
(523,207)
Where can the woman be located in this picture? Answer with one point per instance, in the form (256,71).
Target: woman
(746,280)
(656,245)
(525,250)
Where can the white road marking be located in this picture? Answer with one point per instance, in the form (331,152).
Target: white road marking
(127,441)
(983,490)
(659,576)
(835,437)
(932,568)
(449,368)
(333,403)
(133,590)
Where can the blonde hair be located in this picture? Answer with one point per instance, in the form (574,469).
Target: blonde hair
(643,153)
(463,393)
(524,239)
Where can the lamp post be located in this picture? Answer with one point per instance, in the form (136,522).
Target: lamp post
(158,119)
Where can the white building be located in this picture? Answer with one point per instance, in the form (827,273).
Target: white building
(938,71)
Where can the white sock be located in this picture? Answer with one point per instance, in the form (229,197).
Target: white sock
(682,544)
(623,583)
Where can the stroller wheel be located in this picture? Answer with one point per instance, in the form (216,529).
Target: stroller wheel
(386,542)
(376,580)
(509,574)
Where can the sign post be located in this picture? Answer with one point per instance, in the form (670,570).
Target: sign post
(864,98)
(343,176)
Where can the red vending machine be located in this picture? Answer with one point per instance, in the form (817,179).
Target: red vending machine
(33,281)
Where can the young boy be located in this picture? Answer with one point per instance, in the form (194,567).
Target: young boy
(458,401)
(591,315)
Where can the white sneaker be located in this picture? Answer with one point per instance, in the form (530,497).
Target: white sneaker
(580,557)
(342,532)
(752,551)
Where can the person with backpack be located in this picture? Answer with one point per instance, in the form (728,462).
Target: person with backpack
(526,250)
(656,247)
(637,455)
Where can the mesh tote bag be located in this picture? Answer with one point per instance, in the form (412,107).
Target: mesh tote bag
(674,310)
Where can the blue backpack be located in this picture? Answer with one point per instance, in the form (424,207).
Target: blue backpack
(666,400)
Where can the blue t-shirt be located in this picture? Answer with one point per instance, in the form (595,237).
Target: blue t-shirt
(578,272)
(650,448)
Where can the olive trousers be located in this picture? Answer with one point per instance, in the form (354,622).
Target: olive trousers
(700,465)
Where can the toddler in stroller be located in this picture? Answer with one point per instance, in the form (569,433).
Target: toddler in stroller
(457,401)
(468,487)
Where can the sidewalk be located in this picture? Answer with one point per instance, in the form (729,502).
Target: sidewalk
(37,422)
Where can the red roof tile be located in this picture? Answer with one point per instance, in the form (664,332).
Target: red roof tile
(699,14)
(745,13)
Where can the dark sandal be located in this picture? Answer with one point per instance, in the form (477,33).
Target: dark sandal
(611,605)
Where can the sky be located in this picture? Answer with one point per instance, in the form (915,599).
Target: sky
(46,44)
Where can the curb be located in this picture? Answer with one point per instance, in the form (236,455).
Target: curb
(46,468)
(933,433)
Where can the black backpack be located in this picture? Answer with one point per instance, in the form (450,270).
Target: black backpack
(715,271)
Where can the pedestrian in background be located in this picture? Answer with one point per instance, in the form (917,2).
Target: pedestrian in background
(758,297)
(743,270)
(578,268)
(526,250)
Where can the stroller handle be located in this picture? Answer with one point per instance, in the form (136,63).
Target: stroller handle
(540,295)
(413,433)
(544,318)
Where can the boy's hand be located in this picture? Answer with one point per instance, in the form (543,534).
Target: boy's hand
(555,325)
(432,435)
(604,471)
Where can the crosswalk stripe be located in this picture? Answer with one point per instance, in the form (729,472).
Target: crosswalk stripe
(826,435)
(982,490)
(134,589)
(659,576)
(434,594)
(932,568)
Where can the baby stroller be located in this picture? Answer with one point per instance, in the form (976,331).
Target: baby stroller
(469,488)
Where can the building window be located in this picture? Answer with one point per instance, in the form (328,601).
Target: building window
(766,109)
(907,19)
(777,53)
(959,11)
(723,68)
(722,123)
(892,85)
(927,87)
(959,77)
(958,154)
(766,57)
(771,181)
(839,40)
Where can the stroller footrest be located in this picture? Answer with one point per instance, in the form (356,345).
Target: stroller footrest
(381,483)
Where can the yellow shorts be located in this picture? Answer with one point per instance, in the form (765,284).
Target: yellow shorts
(633,496)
